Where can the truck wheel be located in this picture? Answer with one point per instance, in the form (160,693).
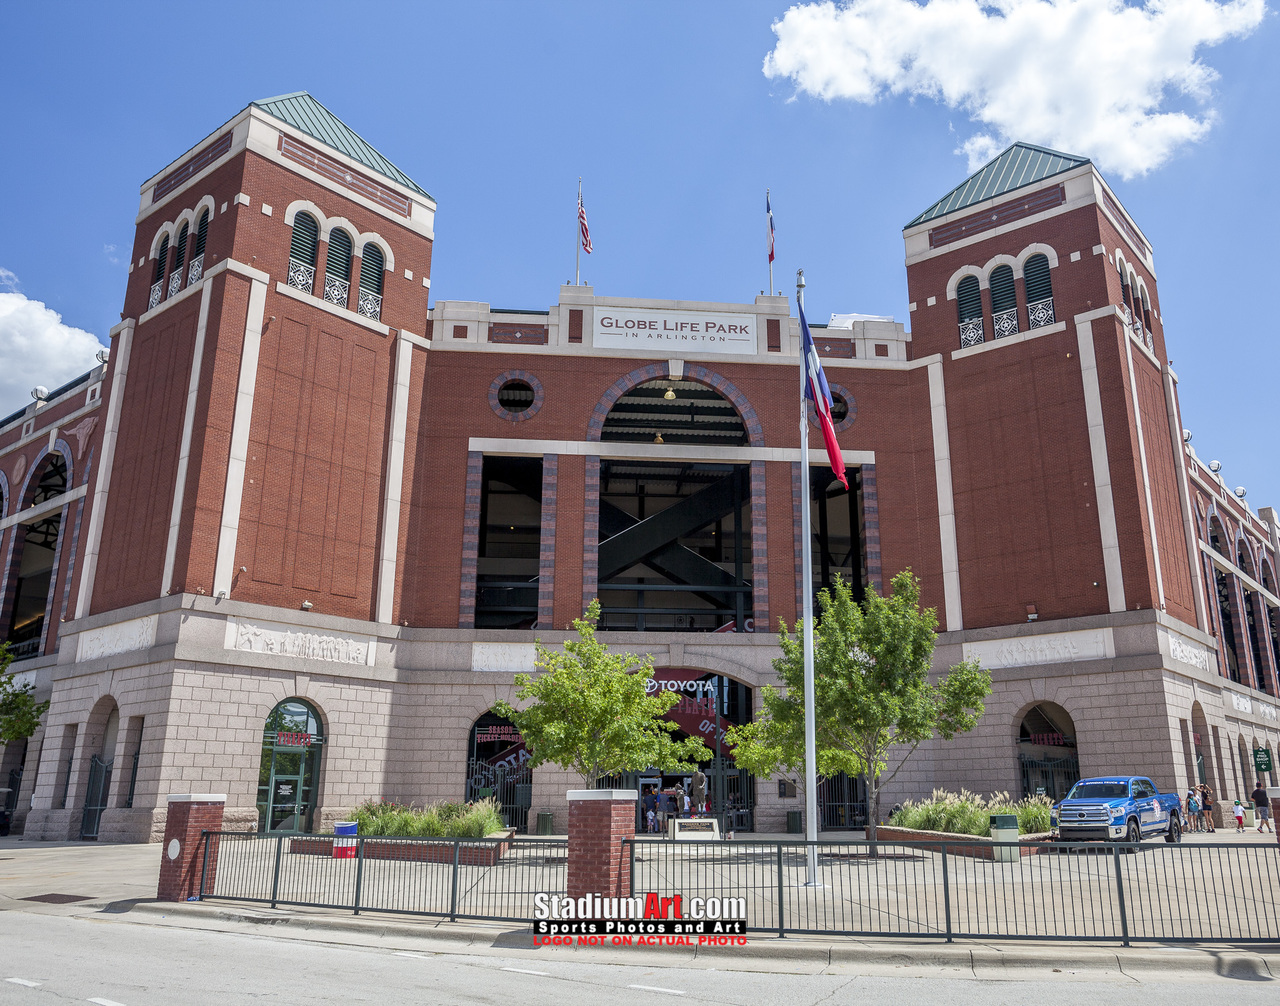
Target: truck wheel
(1134,833)
(1175,829)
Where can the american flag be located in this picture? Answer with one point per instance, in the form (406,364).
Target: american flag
(768,212)
(582,226)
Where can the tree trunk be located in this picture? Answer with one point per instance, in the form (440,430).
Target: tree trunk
(873,811)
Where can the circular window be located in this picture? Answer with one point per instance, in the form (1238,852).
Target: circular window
(844,409)
(515,395)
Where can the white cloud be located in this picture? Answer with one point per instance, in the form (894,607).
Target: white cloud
(36,347)
(1121,84)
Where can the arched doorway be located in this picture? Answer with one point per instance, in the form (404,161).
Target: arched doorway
(1202,754)
(31,569)
(1047,755)
(101,764)
(709,704)
(498,767)
(289,772)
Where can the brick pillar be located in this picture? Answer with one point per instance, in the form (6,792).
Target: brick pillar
(599,819)
(182,855)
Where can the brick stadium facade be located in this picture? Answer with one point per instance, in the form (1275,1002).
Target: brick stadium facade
(293,540)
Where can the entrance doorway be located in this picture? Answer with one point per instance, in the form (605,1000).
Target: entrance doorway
(498,767)
(1047,754)
(289,773)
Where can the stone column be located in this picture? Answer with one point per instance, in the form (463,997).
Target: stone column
(599,819)
(182,855)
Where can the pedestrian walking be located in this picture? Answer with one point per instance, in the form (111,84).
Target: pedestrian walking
(1239,812)
(1261,806)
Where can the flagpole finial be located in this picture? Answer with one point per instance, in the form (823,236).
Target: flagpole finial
(799,279)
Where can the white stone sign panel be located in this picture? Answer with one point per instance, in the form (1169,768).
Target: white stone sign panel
(289,641)
(1052,648)
(1187,652)
(135,634)
(506,658)
(694,332)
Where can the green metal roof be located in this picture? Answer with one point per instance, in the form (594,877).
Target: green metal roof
(303,112)
(1021,164)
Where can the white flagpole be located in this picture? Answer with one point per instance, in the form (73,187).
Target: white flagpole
(577,249)
(770,224)
(806,592)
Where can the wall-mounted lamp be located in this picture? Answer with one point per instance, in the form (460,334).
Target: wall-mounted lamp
(40,393)
(1186,436)
(307,605)
(1215,466)
(1241,492)
(657,438)
(670,394)
(102,355)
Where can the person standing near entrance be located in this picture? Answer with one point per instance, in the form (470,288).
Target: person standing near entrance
(1261,806)
(1206,803)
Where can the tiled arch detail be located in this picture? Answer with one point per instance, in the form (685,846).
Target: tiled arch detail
(692,372)
(60,446)
(4,495)
(516,375)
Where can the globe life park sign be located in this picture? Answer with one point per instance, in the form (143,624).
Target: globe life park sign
(668,331)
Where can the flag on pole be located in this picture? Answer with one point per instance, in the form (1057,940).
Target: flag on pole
(768,212)
(817,391)
(582,226)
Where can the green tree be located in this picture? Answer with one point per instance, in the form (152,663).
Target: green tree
(589,710)
(19,711)
(871,688)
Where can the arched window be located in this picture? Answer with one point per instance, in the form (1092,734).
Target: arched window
(371,265)
(179,261)
(157,278)
(302,252)
(197,253)
(289,773)
(969,305)
(337,268)
(1225,589)
(1004,302)
(1035,275)
(31,567)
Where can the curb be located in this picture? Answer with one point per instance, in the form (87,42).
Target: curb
(988,959)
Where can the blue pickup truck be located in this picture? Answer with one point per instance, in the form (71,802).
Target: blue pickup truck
(1117,809)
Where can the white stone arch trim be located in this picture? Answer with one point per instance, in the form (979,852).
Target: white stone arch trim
(164,229)
(388,256)
(329,225)
(206,203)
(994,263)
(1141,296)
(298,205)
(1036,248)
(1122,264)
(961,273)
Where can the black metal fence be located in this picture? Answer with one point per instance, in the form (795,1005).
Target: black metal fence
(1047,891)
(1154,892)
(446,877)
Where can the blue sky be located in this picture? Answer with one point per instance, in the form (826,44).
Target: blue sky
(664,109)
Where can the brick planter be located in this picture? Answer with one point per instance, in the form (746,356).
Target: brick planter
(415,850)
(974,846)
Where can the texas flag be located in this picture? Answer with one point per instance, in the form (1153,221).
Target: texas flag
(816,390)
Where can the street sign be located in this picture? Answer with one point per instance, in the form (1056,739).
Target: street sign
(1262,759)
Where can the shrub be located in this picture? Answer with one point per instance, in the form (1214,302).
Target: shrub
(966,813)
(435,820)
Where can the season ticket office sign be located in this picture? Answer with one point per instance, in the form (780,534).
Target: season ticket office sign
(668,331)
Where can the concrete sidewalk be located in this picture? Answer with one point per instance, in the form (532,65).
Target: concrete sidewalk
(116,884)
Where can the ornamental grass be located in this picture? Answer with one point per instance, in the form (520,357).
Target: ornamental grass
(966,813)
(436,820)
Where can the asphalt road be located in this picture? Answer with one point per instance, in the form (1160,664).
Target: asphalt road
(46,959)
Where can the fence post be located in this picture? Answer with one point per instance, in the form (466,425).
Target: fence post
(782,931)
(946,891)
(1124,915)
(204,864)
(359,871)
(453,895)
(631,880)
(275,880)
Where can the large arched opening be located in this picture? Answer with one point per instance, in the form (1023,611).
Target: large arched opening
(709,704)
(1202,752)
(293,741)
(1048,761)
(101,732)
(34,556)
(1225,590)
(498,768)
(675,543)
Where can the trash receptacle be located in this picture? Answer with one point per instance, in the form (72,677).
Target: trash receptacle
(1004,828)
(795,823)
(1250,819)
(344,840)
(546,822)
